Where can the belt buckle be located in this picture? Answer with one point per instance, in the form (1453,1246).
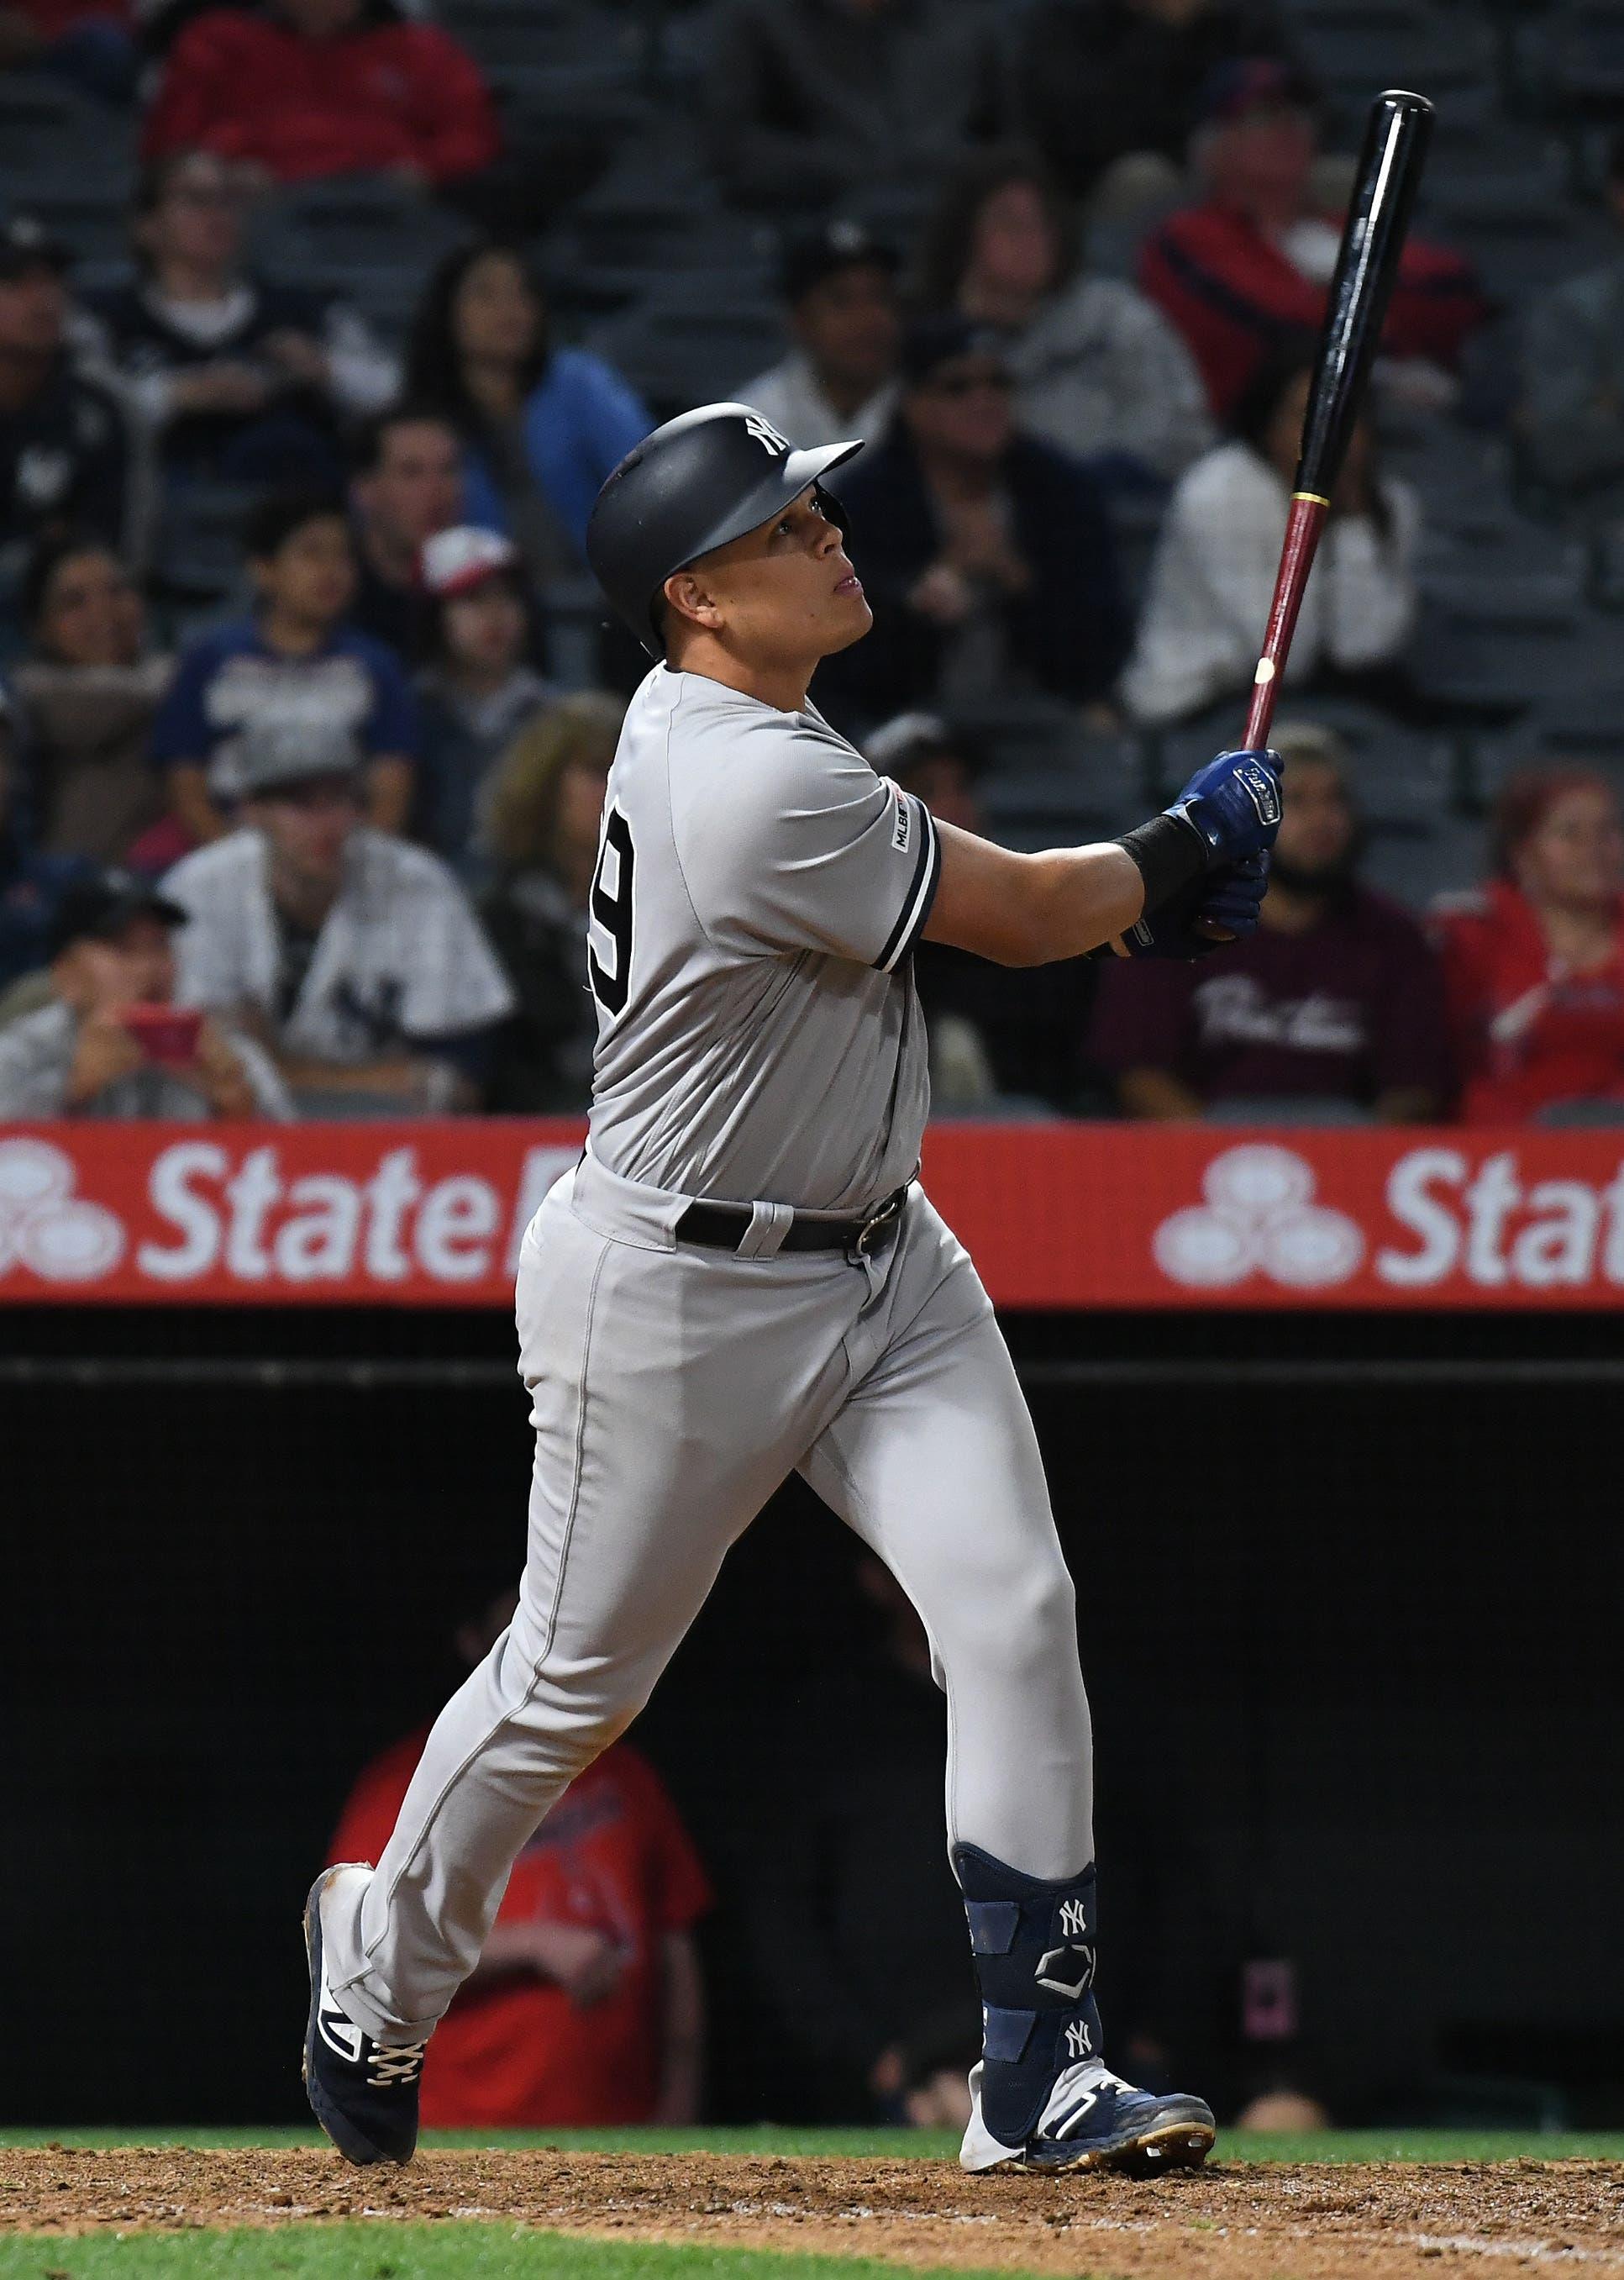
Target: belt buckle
(881,1217)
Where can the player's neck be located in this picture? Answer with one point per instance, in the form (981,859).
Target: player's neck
(773,681)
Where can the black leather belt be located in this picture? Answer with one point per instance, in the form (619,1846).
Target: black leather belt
(723,1227)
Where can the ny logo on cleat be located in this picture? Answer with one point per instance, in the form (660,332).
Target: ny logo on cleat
(766,434)
(1079,2043)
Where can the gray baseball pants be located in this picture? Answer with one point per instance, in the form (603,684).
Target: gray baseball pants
(673,1390)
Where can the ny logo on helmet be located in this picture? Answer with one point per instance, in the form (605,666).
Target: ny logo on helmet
(766,434)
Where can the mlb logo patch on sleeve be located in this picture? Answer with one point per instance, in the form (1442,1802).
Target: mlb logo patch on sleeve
(902,830)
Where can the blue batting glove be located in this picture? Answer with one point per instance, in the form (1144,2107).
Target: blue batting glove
(1230,898)
(1234,804)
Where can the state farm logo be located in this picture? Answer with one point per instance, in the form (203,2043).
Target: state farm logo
(44,1226)
(1259,1217)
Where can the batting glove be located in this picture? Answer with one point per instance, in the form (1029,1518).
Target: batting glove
(1230,898)
(1233,805)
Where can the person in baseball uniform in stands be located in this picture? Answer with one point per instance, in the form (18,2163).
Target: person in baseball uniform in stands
(742,1278)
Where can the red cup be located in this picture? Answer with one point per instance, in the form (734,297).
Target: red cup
(164,1033)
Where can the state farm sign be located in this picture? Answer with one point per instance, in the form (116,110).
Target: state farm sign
(1059,1215)
(253,1214)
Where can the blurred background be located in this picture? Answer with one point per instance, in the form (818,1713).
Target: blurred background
(321,321)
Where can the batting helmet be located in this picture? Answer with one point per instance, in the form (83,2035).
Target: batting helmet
(692,485)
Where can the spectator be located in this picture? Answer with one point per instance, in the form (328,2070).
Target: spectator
(87,696)
(809,99)
(1535,963)
(295,662)
(545,811)
(1213,571)
(357,956)
(1243,274)
(840,378)
(587,2007)
(476,693)
(542,426)
(987,554)
(309,88)
(64,448)
(993,1034)
(1098,372)
(1334,1006)
(1573,404)
(854,1853)
(407,486)
(89,44)
(1108,82)
(237,378)
(31,883)
(108,1041)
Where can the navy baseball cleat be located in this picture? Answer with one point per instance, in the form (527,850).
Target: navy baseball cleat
(1042,2098)
(363,2092)
(1093,2120)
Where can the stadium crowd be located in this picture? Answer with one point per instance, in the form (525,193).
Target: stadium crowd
(321,324)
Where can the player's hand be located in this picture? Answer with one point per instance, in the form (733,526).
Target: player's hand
(1227,900)
(1233,805)
(585,1962)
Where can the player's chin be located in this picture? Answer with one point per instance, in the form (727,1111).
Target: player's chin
(848,622)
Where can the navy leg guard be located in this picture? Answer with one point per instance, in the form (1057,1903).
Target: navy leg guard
(1034,1945)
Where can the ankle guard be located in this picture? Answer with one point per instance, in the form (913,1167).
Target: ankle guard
(1033,1948)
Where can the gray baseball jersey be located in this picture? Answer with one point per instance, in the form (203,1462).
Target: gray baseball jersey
(758,894)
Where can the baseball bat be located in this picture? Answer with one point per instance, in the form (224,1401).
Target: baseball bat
(1373,236)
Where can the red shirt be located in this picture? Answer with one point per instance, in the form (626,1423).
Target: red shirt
(612,1853)
(1237,300)
(1528,1032)
(385,95)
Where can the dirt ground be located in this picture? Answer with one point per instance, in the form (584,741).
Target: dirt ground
(1329,2222)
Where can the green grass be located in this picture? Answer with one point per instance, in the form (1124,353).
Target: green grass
(412,2251)
(918,2144)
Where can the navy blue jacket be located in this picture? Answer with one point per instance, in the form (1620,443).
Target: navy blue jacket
(1068,632)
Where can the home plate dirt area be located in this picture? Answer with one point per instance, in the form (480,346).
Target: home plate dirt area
(1301,2222)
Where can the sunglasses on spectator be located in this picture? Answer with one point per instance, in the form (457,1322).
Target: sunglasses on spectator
(968,382)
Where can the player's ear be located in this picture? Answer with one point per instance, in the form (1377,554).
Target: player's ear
(691,601)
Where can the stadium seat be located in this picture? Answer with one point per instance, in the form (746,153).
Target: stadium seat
(1356,47)
(357,223)
(197,557)
(1416,867)
(1574,59)
(686,350)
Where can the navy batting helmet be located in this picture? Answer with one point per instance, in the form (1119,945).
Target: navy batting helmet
(692,485)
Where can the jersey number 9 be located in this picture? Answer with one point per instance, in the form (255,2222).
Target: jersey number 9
(613,912)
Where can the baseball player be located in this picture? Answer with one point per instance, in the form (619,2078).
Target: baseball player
(742,1278)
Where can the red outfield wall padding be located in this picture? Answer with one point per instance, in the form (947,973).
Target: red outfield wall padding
(1061,1216)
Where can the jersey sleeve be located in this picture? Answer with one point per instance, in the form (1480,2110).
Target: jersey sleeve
(797,844)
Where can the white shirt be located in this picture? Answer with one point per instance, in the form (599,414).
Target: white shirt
(791,397)
(1213,575)
(400,961)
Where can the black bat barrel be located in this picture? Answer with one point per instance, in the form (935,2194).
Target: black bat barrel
(1389,171)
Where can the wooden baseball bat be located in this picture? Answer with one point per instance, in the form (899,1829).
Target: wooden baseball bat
(1389,173)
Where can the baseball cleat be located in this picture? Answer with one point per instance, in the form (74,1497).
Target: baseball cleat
(363,2092)
(1094,2120)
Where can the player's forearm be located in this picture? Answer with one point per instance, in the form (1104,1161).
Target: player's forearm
(1078,898)
(1025,909)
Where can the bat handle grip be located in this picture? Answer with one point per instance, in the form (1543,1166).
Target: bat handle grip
(1304,526)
